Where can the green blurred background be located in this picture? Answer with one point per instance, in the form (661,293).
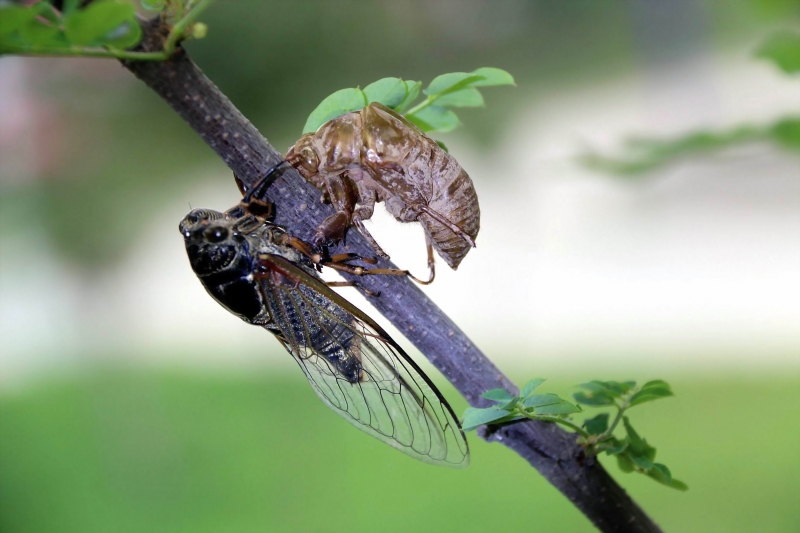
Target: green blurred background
(131,402)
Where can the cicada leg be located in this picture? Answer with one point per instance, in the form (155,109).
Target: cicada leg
(261,208)
(361,271)
(355,284)
(431,260)
(262,183)
(340,261)
(343,196)
(344,258)
(332,229)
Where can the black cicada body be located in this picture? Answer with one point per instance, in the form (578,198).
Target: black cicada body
(256,271)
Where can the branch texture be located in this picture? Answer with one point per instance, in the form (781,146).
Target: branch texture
(548,448)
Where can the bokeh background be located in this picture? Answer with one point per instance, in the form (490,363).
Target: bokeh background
(131,402)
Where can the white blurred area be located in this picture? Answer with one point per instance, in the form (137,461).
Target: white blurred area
(695,267)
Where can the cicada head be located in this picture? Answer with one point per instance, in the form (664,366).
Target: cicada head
(212,240)
(303,157)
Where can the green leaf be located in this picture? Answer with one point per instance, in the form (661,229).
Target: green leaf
(335,105)
(154,5)
(467,97)
(13,18)
(510,418)
(617,446)
(492,76)
(648,395)
(531,386)
(563,408)
(447,83)
(596,425)
(783,49)
(387,91)
(540,400)
(787,133)
(656,383)
(497,395)
(474,418)
(635,441)
(661,473)
(595,400)
(596,387)
(126,35)
(679,485)
(645,462)
(619,388)
(625,463)
(72,5)
(412,91)
(41,34)
(100,22)
(46,11)
(508,406)
(641,453)
(442,146)
(652,390)
(434,118)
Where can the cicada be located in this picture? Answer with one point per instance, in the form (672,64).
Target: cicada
(264,276)
(376,155)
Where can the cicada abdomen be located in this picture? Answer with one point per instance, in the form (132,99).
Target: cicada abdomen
(375,155)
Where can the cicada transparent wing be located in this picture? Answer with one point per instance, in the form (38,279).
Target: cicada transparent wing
(357,369)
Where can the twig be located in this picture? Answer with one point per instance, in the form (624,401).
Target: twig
(551,450)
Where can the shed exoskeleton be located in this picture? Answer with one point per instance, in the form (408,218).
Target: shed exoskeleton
(376,155)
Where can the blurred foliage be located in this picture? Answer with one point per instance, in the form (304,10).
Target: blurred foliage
(783,49)
(124,153)
(153,451)
(643,155)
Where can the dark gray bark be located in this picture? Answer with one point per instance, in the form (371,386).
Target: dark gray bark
(548,448)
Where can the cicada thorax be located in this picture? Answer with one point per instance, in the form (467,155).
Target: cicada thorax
(392,161)
(229,254)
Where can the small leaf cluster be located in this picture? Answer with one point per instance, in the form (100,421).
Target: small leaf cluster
(434,113)
(104,23)
(103,28)
(509,408)
(595,434)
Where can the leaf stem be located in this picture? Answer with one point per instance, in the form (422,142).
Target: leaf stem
(557,420)
(179,28)
(610,431)
(111,53)
(422,105)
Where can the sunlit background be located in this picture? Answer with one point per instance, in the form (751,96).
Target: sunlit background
(132,402)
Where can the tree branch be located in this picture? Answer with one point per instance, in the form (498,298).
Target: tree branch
(548,448)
